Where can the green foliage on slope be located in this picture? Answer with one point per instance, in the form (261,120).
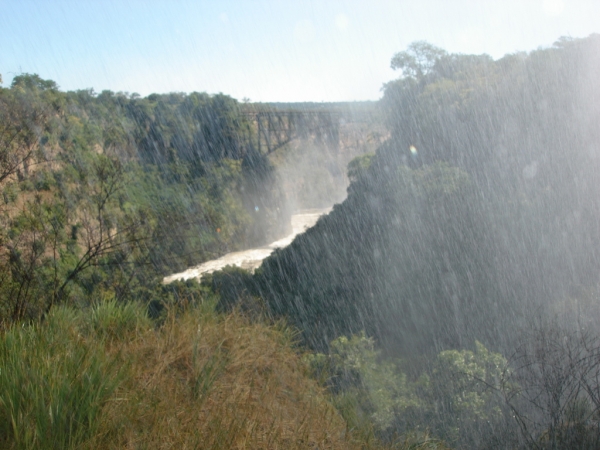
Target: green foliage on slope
(481,208)
(108,377)
(456,399)
(105,193)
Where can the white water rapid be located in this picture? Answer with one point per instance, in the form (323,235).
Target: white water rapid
(252,258)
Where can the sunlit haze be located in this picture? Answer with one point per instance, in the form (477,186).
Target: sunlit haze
(264,50)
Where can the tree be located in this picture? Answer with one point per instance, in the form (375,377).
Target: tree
(418,60)
(553,389)
(22,120)
(58,237)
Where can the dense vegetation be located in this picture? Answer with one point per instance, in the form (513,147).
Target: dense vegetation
(103,193)
(478,220)
(107,378)
(451,299)
(482,205)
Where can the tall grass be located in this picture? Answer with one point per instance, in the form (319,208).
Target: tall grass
(53,386)
(109,378)
(112,320)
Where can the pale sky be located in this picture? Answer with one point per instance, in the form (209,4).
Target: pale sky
(265,50)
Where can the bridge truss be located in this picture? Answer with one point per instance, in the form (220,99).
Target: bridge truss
(274,129)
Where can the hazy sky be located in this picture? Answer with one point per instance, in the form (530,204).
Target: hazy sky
(266,50)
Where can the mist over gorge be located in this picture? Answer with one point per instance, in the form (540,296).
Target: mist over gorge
(480,210)
(476,226)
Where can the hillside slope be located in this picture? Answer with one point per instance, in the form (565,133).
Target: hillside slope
(481,211)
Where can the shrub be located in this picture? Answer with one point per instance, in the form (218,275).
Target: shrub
(458,400)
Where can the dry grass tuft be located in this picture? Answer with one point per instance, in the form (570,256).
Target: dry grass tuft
(211,382)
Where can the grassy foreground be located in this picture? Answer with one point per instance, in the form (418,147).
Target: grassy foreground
(108,377)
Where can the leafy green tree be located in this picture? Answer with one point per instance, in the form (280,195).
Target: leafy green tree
(458,399)
(418,60)
(367,389)
(464,394)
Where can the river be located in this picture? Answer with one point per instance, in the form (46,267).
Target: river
(252,258)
